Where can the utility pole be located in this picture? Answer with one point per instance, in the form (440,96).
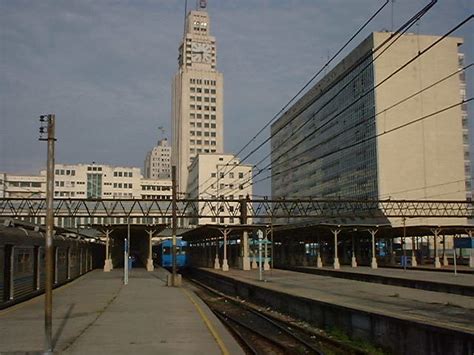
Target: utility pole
(48,123)
(174,219)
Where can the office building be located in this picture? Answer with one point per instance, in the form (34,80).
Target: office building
(223,177)
(374,129)
(158,161)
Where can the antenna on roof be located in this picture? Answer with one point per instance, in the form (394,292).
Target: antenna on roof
(202,4)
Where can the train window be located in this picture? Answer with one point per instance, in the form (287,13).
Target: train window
(167,250)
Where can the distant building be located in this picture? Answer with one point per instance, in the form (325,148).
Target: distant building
(22,186)
(197,97)
(158,161)
(219,176)
(347,138)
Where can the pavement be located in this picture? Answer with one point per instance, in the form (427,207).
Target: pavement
(465,279)
(441,309)
(97,314)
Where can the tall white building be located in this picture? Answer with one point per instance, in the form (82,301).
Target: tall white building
(158,161)
(197,97)
(219,176)
(363,133)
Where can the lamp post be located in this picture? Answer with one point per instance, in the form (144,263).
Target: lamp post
(47,126)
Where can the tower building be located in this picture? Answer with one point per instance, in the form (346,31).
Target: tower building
(157,161)
(197,97)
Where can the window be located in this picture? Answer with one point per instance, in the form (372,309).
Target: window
(241,175)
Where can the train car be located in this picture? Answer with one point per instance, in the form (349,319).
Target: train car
(22,262)
(164,255)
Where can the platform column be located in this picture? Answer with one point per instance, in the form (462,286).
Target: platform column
(149,262)
(373,263)
(217,264)
(266,265)
(437,264)
(336,259)
(353,259)
(225,265)
(319,261)
(209,252)
(245,250)
(445,257)
(108,261)
(413,256)
(471,252)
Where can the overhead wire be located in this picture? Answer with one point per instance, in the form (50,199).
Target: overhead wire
(307,83)
(371,90)
(394,36)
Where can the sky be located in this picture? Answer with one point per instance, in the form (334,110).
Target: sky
(105,67)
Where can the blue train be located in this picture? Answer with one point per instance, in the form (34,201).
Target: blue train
(164,257)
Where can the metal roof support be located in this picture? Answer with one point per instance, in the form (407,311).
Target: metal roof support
(217,264)
(413,256)
(436,231)
(445,256)
(336,264)
(353,259)
(373,263)
(225,231)
(319,261)
(108,261)
(149,262)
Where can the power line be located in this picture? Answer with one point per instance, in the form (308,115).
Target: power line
(307,84)
(397,34)
(366,139)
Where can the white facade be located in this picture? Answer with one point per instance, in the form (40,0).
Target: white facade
(197,98)
(79,181)
(158,161)
(219,176)
(368,134)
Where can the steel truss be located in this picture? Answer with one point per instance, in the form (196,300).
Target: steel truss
(256,208)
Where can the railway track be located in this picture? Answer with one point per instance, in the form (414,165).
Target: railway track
(260,332)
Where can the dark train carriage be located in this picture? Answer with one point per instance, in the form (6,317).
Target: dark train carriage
(22,262)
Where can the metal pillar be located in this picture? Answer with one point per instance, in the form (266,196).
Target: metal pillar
(445,257)
(471,252)
(353,260)
(149,262)
(217,264)
(413,256)
(437,264)
(174,281)
(373,263)
(319,261)
(336,259)
(108,260)
(266,265)
(245,249)
(225,264)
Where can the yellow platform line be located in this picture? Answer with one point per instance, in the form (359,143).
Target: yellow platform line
(209,325)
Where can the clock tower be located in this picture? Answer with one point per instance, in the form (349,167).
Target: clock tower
(197,95)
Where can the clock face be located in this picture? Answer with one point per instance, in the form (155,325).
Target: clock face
(201,52)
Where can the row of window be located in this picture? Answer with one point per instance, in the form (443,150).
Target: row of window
(200,134)
(199,116)
(193,98)
(94,168)
(67,171)
(23,184)
(123,174)
(124,185)
(201,82)
(199,150)
(199,142)
(200,107)
(231,175)
(197,89)
(156,188)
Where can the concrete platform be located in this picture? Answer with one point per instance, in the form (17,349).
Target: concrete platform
(96,314)
(462,284)
(406,320)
